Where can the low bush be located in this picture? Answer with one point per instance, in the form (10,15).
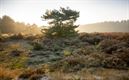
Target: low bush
(17,36)
(36,45)
(91,38)
(107,45)
(5,78)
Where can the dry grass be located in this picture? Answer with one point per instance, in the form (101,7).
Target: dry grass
(5,72)
(92,74)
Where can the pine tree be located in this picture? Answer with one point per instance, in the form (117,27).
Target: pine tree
(61,22)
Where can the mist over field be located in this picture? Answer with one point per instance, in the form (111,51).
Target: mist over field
(109,26)
(9,26)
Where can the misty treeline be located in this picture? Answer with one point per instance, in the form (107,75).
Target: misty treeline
(107,26)
(9,26)
(115,23)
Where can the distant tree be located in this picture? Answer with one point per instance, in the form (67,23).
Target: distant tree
(61,22)
(0,27)
(7,24)
(0,20)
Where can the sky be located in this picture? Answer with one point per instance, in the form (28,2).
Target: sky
(91,11)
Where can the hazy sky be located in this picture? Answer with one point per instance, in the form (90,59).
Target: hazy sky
(91,11)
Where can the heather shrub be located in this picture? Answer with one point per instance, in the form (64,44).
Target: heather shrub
(5,78)
(37,46)
(90,38)
(114,62)
(107,45)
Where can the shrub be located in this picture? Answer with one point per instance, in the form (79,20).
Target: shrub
(3,38)
(25,75)
(5,78)
(114,62)
(107,45)
(17,36)
(36,45)
(16,53)
(33,36)
(31,74)
(91,38)
(35,77)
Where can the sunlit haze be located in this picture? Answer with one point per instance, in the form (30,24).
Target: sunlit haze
(91,11)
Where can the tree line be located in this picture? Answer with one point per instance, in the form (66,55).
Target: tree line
(9,26)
